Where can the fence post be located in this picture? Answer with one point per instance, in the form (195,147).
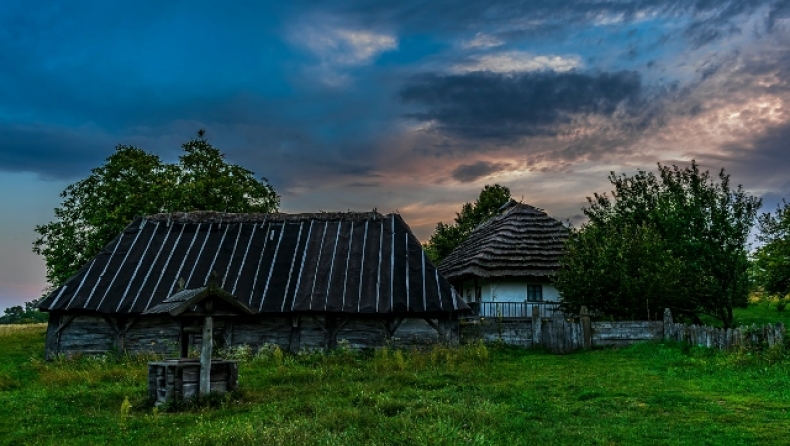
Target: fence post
(667,324)
(584,316)
(536,328)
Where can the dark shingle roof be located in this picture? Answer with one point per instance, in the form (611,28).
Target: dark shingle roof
(348,262)
(522,241)
(184,299)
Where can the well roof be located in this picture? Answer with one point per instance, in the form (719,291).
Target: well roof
(522,241)
(346,262)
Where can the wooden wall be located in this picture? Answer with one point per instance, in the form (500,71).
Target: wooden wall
(72,334)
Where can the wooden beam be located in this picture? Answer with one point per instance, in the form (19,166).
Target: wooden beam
(51,349)
(320,325)
(389,324)
(392,325)
(296,334)
(342,324)
(435,327)
(205,356)
(183,339)
(53,339)
(64,322)
(120,326)
(586,327)
(537,327)
(330,324)
(228,332)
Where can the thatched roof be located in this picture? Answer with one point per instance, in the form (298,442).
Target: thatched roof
(349,262)
(522,241)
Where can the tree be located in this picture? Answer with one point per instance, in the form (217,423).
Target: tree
(695,220)
(448,236)
(772,259)
(28,315)
(133,182)
(625,272)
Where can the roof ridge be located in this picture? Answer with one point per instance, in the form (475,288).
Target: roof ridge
(250,217)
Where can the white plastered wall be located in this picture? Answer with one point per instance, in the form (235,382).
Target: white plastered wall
(507,290)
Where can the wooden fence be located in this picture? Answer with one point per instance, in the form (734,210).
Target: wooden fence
(561,334)
(564,334)
(750,337)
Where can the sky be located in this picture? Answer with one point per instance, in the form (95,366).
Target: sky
(406,106)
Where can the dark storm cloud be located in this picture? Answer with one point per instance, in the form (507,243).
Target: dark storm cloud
(466,173)
(143,71)
(492,105)
(52,152)
(763,159)
(708,20)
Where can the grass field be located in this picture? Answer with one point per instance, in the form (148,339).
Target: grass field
(644,394)
(762,311)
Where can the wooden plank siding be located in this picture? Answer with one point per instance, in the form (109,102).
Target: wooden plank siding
(93,334)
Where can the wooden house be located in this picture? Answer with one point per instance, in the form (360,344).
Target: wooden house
(504,267)
(299,281)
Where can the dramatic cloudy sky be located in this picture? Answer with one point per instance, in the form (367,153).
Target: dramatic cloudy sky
(399,105)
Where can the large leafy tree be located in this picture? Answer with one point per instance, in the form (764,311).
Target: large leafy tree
(624,271)
(683,223)
(772,259)
(448,236)
(133,182)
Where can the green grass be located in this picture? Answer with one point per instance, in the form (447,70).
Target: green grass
(644,394)
(761,311)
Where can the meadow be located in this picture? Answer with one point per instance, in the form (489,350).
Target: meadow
(477,394)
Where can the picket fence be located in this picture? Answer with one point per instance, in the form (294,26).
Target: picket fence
(749,337)
(563,333)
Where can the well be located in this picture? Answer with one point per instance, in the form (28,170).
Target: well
(179,379)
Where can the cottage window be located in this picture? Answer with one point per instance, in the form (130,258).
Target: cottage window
(534,293)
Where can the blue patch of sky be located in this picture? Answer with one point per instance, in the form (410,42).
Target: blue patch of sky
(412,49)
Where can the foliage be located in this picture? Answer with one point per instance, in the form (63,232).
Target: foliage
(625,271)
(448,236)
(771,267)
(683,223)
(27,315)
(760,311)
(644,394)
(133,182)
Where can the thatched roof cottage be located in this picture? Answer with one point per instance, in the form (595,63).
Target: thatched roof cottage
(510,260)
(294,280)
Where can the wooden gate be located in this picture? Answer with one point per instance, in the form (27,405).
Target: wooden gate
(561,334)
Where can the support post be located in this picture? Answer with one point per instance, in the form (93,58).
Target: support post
(536,328)
(205,356)
(584,315)
(296,334)
(51,350)
(667,324)
(183,342)
(330,332)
